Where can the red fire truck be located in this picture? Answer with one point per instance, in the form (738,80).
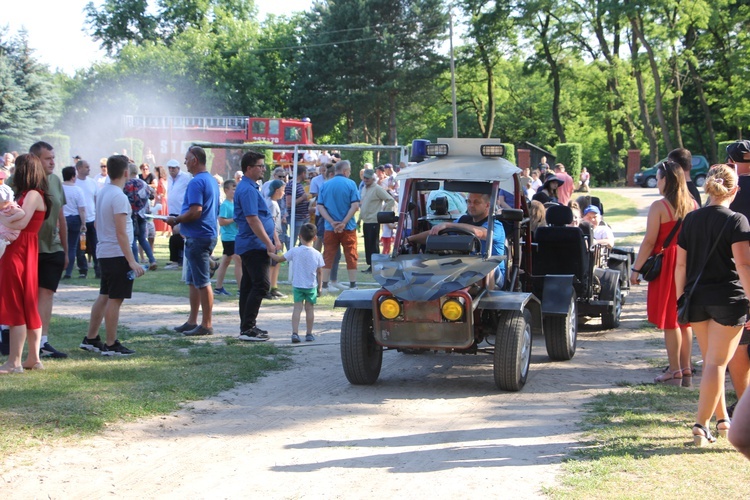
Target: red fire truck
(170,136)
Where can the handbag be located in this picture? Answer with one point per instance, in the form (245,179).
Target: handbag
(652,267)
(683,303)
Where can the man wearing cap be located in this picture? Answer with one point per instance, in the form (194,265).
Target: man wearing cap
(199,217)
(374,199)
(684,159)
(177,183)
(603,234)
(566,187)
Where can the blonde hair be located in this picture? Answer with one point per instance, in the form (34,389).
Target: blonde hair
(721,180)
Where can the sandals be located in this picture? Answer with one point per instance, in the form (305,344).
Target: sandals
(671,378)
(723,431)
(701,440)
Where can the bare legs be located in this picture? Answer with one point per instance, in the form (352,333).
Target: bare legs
(718,343)
(46,299)
(18,336)
(739,370)
(739,434)
(309,316)
(108,310)
(224,265)
(203,299)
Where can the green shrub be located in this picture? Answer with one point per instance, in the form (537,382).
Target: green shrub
(8,144)
(133,146)
(571,155)
(61,144)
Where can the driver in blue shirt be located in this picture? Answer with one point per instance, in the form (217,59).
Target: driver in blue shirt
(476,222)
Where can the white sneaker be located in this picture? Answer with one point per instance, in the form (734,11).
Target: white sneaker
(325,290)
(339,286)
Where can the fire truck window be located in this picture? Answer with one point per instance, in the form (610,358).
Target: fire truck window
(273,127)
(259,127)
(292,134)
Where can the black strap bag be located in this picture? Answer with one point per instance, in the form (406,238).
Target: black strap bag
(652,267)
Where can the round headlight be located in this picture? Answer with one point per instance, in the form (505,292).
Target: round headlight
(390,308)
(453,310)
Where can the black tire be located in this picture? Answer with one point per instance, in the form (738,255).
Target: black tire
(561,333)
(361,357)
(651,182)
(611,291)
(700,180)
(512,350)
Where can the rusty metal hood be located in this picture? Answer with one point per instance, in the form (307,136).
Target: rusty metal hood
(425,277)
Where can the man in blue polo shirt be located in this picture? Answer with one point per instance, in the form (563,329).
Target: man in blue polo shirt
(255,238)
(198,224)
(338,201)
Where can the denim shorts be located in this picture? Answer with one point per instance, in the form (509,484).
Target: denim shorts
(198,256)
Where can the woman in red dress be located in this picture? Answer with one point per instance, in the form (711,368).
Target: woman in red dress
(661,303)
(18,267)
(161,199)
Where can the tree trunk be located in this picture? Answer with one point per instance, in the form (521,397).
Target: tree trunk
(648,129)
(392,137)
(555,72)
(490,122)
(691,37)
(676,108)
(658,105)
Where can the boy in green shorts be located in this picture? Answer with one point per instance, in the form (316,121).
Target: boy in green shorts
(305,264)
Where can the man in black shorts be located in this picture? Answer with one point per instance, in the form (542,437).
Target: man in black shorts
(116,261)
(53,247)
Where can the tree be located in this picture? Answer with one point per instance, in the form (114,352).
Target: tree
(118,22)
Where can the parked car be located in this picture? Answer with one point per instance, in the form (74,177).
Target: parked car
(445,294)
(647,177)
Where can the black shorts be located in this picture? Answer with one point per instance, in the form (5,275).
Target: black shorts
(228,247)
(50,268)
(115,282)
(726,315)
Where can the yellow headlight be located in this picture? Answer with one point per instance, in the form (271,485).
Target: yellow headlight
(453,310)
(390,308)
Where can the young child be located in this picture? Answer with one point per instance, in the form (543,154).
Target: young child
(276,191)
(228,230)
(305,265)
(10,212)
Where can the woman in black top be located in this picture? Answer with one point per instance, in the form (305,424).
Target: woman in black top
(718,305)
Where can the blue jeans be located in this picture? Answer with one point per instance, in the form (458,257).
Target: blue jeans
(198,256)
(140,235)
(74,232)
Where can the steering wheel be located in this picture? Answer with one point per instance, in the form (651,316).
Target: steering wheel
(477,243)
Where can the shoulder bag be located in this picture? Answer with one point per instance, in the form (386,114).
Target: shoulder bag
(652,267)
(683,303)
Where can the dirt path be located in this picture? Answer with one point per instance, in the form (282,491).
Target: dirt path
(433,425)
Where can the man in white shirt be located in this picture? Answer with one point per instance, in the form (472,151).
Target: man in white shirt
(102,178)
(177,183)
(89,188)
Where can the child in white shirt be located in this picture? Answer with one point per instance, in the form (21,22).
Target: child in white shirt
(305,264)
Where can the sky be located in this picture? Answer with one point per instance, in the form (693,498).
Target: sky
(57,36)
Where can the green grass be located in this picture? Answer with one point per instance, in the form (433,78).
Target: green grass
(85,393)
(639,445)
(617,208)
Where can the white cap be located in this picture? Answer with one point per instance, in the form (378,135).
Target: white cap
(173,163)
(6,193)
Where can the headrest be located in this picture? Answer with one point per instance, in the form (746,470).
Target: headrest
(559,215)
